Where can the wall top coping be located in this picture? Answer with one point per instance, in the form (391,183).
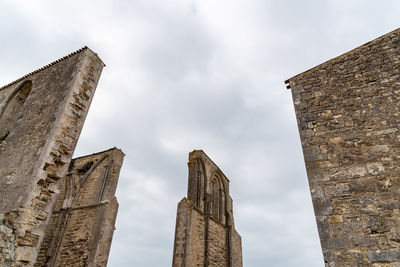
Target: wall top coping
(338,58)
(46,67)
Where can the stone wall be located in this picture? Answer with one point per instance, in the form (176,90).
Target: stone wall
(82,224)
(236,249)
(217,245)
(348,114)
(205,234)
(181,233)
(196,240)
(41,117)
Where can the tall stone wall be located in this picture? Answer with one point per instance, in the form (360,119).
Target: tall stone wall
(41,117)
(205,234)
(348,114)
(82,224)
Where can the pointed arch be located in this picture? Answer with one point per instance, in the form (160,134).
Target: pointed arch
(11,107)
(197,183)
(218,198)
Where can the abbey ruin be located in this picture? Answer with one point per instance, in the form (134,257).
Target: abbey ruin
(54,211)
(348,115)
(205,232)
(59,211)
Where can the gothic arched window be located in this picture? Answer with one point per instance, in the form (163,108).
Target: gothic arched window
(11,108)
(217,199)
(197,182)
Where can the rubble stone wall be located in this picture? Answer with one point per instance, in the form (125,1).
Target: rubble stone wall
(217,248)
(348,115)
(83,220)
(42,131)
(196,240)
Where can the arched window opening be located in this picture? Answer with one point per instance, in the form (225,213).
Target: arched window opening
(222,205)
(200,184)
(217,199)
(11,108)
(196,188)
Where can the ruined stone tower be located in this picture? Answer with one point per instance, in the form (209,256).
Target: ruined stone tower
(60,210)
(348,114)
(205,233)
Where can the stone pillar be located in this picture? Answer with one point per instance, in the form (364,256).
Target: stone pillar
(204,236)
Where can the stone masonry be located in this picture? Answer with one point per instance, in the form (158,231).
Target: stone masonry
(205,233)
(41,117)
(82,224)
(348,115)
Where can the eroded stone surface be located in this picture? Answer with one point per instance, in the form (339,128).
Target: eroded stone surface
(348,116)
(41,117)
(205,234)
(82,224)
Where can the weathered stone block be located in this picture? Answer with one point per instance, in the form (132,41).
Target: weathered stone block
(335,243)
(322,207)
(338,190)
(337,219)
(384,255)
(375,168)
(26,254)
(356,171)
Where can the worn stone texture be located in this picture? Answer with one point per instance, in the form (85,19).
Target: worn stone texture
(41,117)
(82,224)
(348,115)
(205,233)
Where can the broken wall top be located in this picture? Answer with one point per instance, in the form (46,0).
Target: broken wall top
(349,61)
(348,117)
(208,188)
(83,219)
(41,117)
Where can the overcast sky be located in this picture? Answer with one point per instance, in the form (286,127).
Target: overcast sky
(198,74)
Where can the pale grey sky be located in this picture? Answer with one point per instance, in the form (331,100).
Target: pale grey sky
(198,74)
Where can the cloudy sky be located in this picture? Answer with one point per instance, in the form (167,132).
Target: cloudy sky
(198,74)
